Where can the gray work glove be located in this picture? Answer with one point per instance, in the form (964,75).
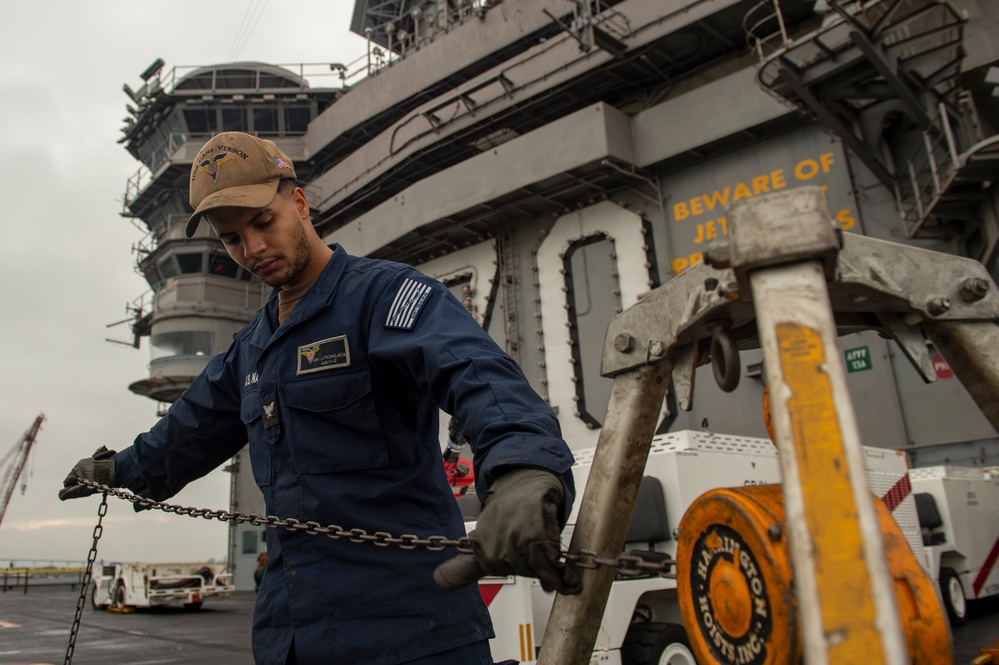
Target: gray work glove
(98,469)
(517,534)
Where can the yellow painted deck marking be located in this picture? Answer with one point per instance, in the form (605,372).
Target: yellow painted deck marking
(842,578)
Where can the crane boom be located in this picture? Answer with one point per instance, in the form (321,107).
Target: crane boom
(18,458)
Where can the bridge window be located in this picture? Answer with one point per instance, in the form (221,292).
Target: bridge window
(190,263)
(265,120)
(201,120)
(181,343)
(222,265)
(296,119)
(234,120)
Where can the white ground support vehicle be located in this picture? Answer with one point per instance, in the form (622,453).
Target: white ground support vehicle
(642,622)
(122,585)
(959,513)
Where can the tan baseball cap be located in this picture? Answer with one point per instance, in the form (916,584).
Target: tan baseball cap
(236,169)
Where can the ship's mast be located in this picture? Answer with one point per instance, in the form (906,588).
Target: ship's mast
(15,460)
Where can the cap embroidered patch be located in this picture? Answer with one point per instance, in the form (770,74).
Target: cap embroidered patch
(281,164)
(407,304)
(211,166)
(324,354)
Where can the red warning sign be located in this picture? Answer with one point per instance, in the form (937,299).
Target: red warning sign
(941,367)
(489,592)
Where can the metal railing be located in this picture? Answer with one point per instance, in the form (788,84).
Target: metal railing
(426,27)
(928,174)
(150,241)
(907,33)
(40,577)
(766,31)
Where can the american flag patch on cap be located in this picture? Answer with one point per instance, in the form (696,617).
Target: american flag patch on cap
(407,304)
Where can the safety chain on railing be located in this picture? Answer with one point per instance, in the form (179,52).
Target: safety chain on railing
(626,565)
(85,582)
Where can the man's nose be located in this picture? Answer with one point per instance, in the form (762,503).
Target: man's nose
(253,244)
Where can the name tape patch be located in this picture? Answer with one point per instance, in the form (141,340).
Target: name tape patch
(407,304)
(324,354)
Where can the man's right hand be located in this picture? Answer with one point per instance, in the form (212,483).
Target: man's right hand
(517,534)
(97,469)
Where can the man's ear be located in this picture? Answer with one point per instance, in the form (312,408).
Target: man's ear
(301,203)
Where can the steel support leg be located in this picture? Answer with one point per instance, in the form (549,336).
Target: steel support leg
(845,595)
(605,509)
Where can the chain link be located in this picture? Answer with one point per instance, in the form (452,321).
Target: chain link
(627,565)
(85,582)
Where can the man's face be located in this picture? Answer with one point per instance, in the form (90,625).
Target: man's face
(271,242)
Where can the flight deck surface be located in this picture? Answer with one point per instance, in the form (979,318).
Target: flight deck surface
(34,629)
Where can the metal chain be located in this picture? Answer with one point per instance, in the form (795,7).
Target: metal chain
(627,565)
(85,582)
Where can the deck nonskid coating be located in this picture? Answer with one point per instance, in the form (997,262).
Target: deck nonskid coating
(34,629)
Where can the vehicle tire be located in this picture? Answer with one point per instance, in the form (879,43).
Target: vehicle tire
(953,596)
(656,644)
(191,607)
(119,595)
(95,594)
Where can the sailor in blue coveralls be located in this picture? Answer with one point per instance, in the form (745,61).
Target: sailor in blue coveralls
(336,384)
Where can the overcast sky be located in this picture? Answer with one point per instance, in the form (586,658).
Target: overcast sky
(67,269)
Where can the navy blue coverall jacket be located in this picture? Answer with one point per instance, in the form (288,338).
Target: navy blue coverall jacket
(340,408)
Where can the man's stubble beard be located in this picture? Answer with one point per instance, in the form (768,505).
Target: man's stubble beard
(297,262)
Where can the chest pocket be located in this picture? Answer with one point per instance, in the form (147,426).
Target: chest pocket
(260,451)
(332,424)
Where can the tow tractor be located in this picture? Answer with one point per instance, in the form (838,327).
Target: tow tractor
(959,514)
(129,585)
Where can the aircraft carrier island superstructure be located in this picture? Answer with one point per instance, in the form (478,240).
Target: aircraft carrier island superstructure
(553,160)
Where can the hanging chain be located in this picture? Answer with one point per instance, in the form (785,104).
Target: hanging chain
(627,565)
(85,583)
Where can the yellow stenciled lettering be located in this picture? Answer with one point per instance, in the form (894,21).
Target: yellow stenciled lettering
(741,192)
(716,198)
(777,179)
(846,219)
(710,230)
(680,211)
(826,159)
(806,169)
(761,184)
(681,263)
